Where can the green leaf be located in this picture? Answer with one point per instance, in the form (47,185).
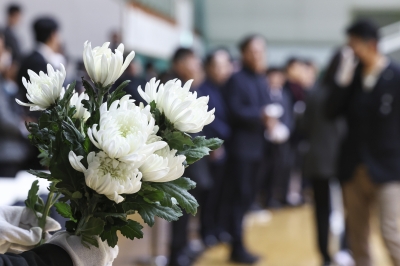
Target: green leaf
(149,210)
(40,174)
(64,210)
(44,158)
(118,93)
(153,106)
(77,195)
(152,196)
(201,148)
(213,143)
(93,227)
(132,230)
(179,190)
(32,196)
(111,236)
(104,215)
(89,239)
(177,140)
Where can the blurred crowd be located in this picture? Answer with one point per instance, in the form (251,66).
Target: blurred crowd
(285,129)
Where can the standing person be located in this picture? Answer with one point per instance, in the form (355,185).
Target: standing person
(12,143)
(246,97)
(324,139)
(186,65)
(218,69)
(277,175)
(295,72)
(46,52)
(11,40)
(369,97)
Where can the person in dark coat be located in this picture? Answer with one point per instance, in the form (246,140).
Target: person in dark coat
(276,176)
(324,137)
(46,36)
(246,95)
(11,41)
(46,52)
(368,96)
(214,222)
(186,65)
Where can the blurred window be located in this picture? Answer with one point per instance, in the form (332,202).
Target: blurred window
(163,7)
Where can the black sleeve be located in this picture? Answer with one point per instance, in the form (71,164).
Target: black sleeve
(242,113)
(45,255)
(337,100)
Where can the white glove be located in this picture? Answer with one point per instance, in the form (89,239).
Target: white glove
(19,228)
(347,66)
(83,256)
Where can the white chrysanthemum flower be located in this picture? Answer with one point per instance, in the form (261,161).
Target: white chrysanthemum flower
(124,130)
(81,112)
(43,90)
(108,176)
(181,106)
(103,66)
(163,166)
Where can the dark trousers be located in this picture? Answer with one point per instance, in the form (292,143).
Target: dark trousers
(322,205)
(214,205)
(275,176)
(240,184)
(199,173)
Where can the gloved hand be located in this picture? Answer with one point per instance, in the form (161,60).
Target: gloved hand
(83,256)
(19,228)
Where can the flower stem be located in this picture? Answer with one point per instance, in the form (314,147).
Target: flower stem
(87,213)
(49,203)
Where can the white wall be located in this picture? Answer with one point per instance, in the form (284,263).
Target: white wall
(80,20)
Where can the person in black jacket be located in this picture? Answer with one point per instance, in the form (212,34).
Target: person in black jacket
(246,96)
(324,137)
(46,36)
(368,95)
(12,43)
(213,216)
(275,180)
(186,65)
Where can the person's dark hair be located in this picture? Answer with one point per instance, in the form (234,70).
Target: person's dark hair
(149,65)
(328,77)
(44,27)
(210,56)
(244,43)
(291,61)
(364,29)
(13,9)
(271,70)
(181,53)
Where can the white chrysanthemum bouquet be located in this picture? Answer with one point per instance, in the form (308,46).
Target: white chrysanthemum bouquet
(110,157)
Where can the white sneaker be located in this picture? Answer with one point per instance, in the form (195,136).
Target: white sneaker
(343,258)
